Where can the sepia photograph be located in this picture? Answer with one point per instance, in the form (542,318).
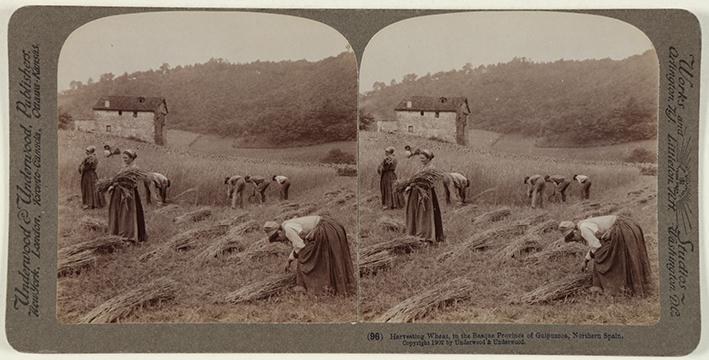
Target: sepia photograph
(508,171)
(207,170)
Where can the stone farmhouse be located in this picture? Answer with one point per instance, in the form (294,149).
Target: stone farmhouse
(442,117)
(138,117)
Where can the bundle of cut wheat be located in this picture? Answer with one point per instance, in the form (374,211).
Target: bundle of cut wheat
(103,184)
(73,258)
(420,305)
(519,247)
(492,216)
(231,242)
(372,264)
(559,289)
(123,305)
(396,246)
(88,223)
(262,289)
(422,181)
(492,238)
(193,216)
(390,224)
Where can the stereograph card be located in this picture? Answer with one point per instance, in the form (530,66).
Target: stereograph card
(358,181)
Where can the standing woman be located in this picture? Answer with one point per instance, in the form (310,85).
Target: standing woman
(617,248)
(387,173)
(324,264)
(90,197)
(423,214)
(125,212)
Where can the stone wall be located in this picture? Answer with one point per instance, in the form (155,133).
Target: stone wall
(427,125)
(128,124)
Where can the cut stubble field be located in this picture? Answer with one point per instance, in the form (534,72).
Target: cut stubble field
(498,252)
(199,250)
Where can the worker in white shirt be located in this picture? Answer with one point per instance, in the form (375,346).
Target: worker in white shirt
(321,251)
(535,190)
(156,184)
(460,184)
(411,153)
(561,183)
(585,185)
(284,185)
(617,248)
(235,190)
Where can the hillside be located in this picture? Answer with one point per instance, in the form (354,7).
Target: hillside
(562,103)
(262,103)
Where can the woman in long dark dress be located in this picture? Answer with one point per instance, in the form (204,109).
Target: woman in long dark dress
(616,249)
(321,252)
(90,198)
(391,199)
(125,212)
(423,214)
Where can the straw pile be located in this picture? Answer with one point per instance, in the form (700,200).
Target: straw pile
(560,289)
(231,242)
(495,237)
(420,305)
(492,216)
(75,257)
(372,264)
(262,289)
(519,248)
(193,216)
(302,210)
(123,305)
(390,224)
(88,223)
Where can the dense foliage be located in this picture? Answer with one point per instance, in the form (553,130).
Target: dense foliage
(563,103)
(267,103)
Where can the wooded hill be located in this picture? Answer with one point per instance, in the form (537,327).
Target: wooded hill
(281,103)
(562,103)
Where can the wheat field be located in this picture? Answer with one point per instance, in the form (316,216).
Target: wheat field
(201,286)
(497,279)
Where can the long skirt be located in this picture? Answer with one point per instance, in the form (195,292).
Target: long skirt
(423,217)
(125,215)
(90,197)
(324,265)
(621,263)
(390,198)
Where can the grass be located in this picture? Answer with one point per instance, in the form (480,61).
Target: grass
(202,285)
(498,282)
(213,144)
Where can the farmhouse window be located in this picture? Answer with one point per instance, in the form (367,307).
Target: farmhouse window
(411,128)
(408,105)
(421,113)
(120,113)
(438,114)
(108,128)
(135,114)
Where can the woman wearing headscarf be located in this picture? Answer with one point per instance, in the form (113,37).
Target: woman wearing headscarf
(90,198)
(321,252)
(617,248)
(387,179)
(423,214)
(125,212)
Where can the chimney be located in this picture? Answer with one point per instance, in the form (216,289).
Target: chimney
(106,103)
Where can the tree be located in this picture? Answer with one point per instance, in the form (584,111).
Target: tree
(409,78)
(107,77)
(366,120)
(65,120)
(378,86)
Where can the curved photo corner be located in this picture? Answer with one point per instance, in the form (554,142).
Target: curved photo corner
(206,158)
(496,142)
